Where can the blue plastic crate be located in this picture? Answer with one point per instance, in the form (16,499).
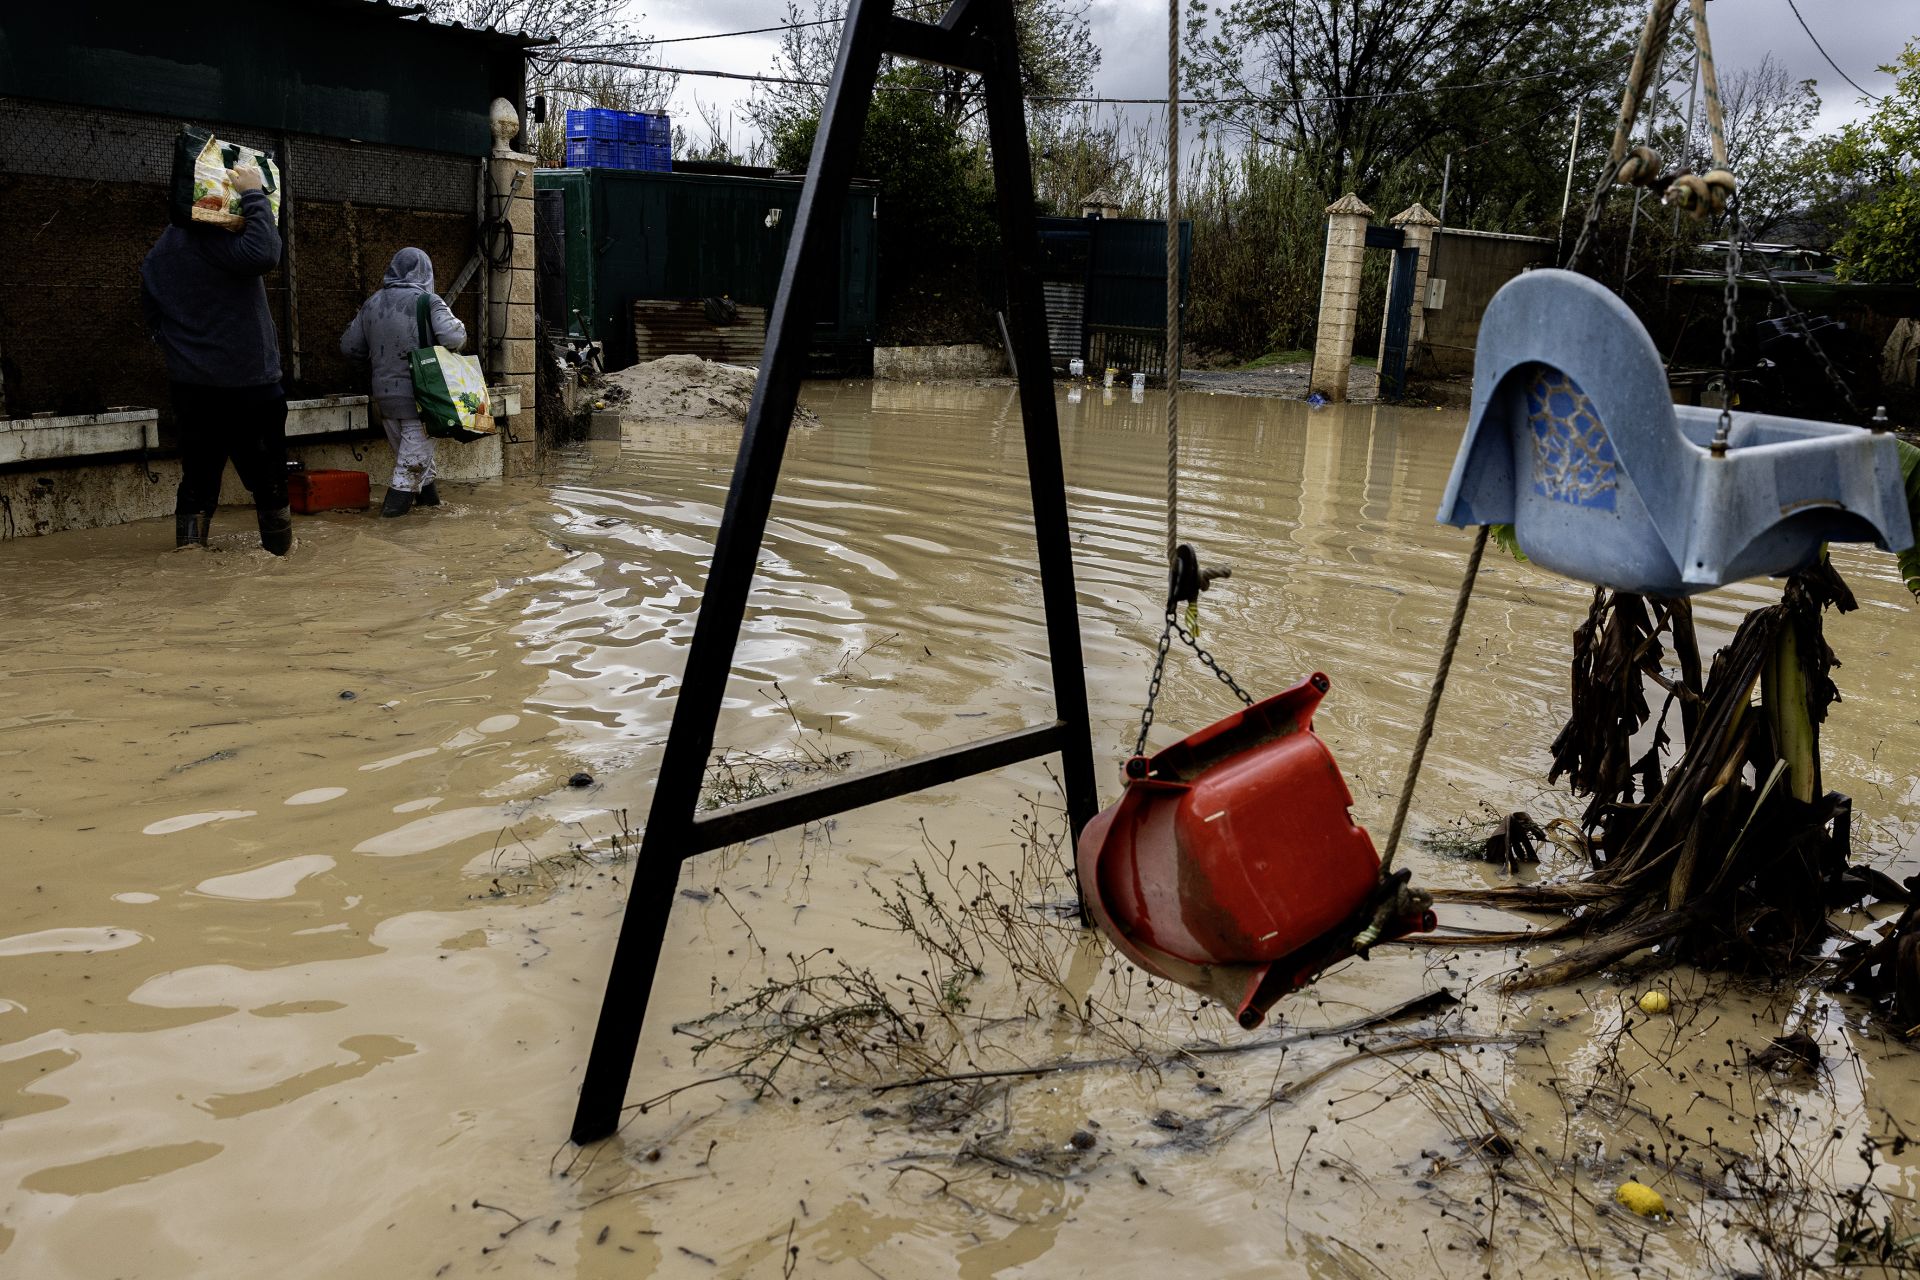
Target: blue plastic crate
(646,157)
(599,123)
(641,126)
(595,153)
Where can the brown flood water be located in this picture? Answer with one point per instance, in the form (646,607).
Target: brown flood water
(280,993)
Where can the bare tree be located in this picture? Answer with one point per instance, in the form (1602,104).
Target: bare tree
(1769,119)
(1355,88)
(1057,62)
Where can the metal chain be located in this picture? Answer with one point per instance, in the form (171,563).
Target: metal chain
(1727,323)
(1159,668)
(1206,660)
(1799,319)
(1153,686)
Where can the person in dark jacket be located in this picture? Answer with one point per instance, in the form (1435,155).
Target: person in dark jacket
(385,333)
(206,305)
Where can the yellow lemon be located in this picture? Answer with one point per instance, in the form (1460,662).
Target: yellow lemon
(1642,1199)
(1655,1002)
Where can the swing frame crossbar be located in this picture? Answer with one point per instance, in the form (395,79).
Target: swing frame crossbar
(977,36)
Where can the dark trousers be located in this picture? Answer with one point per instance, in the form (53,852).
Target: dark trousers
(246,424)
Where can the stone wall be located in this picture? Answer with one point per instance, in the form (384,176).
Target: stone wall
(1339,296)
(509,298)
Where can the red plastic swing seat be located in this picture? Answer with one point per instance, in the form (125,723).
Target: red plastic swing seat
(1230,864)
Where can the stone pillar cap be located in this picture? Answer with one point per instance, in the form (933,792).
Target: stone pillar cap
(1350,204)
(1414,215)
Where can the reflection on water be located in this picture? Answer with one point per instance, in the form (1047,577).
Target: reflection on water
(327,978)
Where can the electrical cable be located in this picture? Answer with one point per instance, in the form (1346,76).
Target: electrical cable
(750,31)
(1823,52)
(1247,101)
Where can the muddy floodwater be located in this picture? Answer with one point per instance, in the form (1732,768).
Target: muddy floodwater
(303,931)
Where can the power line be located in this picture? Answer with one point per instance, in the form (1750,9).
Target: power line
(749,31)
(1823,53)
(1247,101)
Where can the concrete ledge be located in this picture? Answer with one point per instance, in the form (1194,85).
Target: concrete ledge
(55,495)
(505,398)
(927,364)
(79,436)
(327,416)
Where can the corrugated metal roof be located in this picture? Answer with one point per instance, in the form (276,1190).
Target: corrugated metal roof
(415,14)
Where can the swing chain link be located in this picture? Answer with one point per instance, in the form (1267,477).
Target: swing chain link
(1799,319)
(1729,321)
(1153,685)
(1207,660)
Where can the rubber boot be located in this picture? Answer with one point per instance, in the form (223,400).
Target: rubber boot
(276,529)
(398,502)
(191,527)
(428,496)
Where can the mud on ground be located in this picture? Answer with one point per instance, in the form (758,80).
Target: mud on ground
(686,389)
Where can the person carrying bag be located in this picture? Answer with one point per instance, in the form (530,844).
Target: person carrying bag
(419,384)
(449,389)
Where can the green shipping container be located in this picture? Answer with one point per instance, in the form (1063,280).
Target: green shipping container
(684,236)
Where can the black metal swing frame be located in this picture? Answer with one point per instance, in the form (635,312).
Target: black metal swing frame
(977,36)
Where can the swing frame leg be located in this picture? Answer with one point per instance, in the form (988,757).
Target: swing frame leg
(977,36)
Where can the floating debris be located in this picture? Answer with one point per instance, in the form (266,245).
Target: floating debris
(1641,1199)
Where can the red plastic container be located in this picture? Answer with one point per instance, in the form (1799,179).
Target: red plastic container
(1230,864)
(309,492)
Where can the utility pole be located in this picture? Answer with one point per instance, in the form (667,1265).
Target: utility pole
(1446,179)
(1566,197)
(1633,224)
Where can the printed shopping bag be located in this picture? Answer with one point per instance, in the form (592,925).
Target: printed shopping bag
(449,389)
(202,189)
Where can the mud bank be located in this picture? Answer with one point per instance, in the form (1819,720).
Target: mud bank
(686,389)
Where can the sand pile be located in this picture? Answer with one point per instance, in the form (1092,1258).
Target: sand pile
(685,389)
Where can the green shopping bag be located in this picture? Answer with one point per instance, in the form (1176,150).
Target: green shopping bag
(449,389)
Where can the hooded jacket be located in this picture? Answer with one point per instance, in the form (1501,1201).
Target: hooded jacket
(206,304)
(384,332)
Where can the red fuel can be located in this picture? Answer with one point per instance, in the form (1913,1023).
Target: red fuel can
(1230,864)
(310,492)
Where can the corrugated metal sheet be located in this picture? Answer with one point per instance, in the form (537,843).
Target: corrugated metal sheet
(1115,270)
(681,236)
(680,328)
(339,70)
(1066,313)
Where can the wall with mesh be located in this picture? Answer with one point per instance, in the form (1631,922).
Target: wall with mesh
(86,197)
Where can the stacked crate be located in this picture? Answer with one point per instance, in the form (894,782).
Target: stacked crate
(602,138)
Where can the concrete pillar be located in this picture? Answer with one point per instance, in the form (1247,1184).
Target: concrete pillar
(509,323)
(1419,226)
(1339,295)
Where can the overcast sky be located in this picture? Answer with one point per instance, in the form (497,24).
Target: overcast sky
(1858,34)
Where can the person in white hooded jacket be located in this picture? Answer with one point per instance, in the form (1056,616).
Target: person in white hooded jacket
(385,333)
